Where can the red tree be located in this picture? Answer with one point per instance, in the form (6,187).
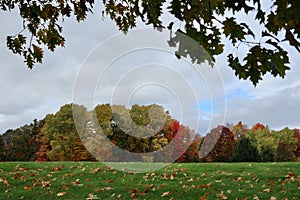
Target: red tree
(258,126)
(218,145)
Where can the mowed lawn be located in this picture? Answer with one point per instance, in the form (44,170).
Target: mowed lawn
(94,180)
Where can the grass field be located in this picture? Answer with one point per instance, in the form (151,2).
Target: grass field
(92,180)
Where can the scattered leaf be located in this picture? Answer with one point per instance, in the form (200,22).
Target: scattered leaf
(165,194)
(27,187)
(60,194)
(267,190)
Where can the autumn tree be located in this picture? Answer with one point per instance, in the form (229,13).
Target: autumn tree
(60,132)
(20,144)
(267,142)
(258,126)
(192,153)
(286,145)
(142,129)
(239,130)
(297,136)
(284,152)
(217,145)
(276,25)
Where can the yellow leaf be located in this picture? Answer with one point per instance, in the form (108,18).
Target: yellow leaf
(172,177)
(267,190)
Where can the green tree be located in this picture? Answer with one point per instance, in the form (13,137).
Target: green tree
(60,132)
(204,21)
(265,142)
(244,151)
(286,148)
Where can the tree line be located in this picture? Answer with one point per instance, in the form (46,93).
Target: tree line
(144,129)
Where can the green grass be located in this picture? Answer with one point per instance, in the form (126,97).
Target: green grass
(92,180)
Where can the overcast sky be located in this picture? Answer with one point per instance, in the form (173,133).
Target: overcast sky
(143,76)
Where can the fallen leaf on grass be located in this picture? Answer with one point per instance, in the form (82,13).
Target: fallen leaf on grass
(191,180)
(165,194)
(202,185)
(267,190)
(27,187)
(203,198)
(222,195)
(92,197)
(102,189)
(109,180)
(46,183)
(55,169)
(6,183)
(60,194)
(171,177)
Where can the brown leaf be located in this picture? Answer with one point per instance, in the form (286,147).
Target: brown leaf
(144,192)
(65,187)
(46,183)
(203,198)
(109,180)
(102,189)
(202,185)
(56,169)
(27,187)
(6,183)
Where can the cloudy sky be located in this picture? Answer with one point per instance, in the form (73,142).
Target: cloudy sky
(139,68)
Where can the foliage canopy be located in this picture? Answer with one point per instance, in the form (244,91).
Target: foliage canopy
(204,21)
